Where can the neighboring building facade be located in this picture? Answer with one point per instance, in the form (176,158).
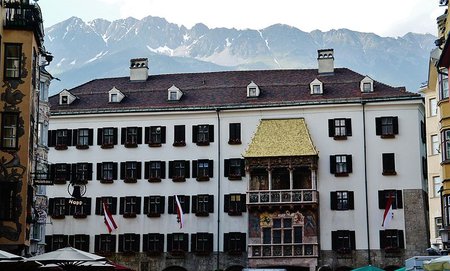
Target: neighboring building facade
(21,34)
(281,168)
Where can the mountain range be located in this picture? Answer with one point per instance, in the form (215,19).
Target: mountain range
(84,51)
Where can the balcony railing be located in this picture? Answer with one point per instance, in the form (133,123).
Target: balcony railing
(283,250)
(282,196)
(24,16)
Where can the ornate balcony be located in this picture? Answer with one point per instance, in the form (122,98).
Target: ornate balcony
(302,250)
(24,16)
(282,197)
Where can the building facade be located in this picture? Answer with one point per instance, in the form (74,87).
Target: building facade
(21,35)
(281,168)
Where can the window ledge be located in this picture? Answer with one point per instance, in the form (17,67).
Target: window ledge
(59,181)
(234,213)
(203,143)
(178,179)
(153,215)
(234,177)
(107,146)
(154,180)
(130,180)
(388,136)
(179,144)
(130,145)
(389,173)
(202,179)
(202,214)
(340,137)
(106,181)
(82,147)
(79,215)
(342,174)
(129,215)
(61,147)
(154,145)
(234,142)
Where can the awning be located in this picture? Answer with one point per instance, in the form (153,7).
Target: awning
(281,137)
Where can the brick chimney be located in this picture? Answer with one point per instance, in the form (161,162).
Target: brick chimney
(138,69)
(326,61)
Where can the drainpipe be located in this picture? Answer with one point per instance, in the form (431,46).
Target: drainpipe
(218,188)
(369,260)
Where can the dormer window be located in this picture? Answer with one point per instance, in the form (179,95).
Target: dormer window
(366,85)
(252,90)
(174,93)
(66,98)
(115,95)
(316,87)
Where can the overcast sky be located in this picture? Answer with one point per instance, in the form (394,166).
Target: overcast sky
(383,17)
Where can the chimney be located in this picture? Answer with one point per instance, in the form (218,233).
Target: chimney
(326,61)
(139,69)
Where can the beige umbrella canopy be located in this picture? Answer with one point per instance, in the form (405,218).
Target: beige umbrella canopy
(9,261)
(438,264)
(5,256)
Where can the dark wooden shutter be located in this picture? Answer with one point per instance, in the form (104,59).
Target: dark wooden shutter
(348,127)
(139,170)
(138,205)
(51,206)
(210,243)
(331,128)
(211,203)
(145,242)
(226,241)
(242,167)
(98,206)
(334,240)
(399,199)
(115,133)
(74,172)
(211,168)
(185,244)
(226,203)
(163,134)
(121,243)
(243,203)
(194,168)
(382,239)
(378,126)
(74,137)
(48,243)
(194,204)
(170,169)
(147,170)
(333,200)
(162,204)
(146,203)
(243,238)
(231,131)
(136,243)
(88,206)
(169,242)
(66,205)
(122,206)
(99,171)
(352,240)
(170,201)
(211,133)
(163,169)
(351,200)
(161,242)
(113,208)
(99,136)
(91,137)
(147,135)
(68,172)
(349,164)
(423,132)
(332,164)
(226,169)
(193,242)
(51,138)
(388,162)
(114,171)
(97,243)
(123,135)
(395,125)
(139,135)
(122,170)
(89,171)
(186,204)
(187,169)
(401,239)
(381,200)
(194,133)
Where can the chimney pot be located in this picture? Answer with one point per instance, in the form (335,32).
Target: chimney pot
(139,69)
(325,58)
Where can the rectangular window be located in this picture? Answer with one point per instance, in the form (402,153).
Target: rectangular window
(367,87)
(179,170)
(386,127)
(433,107)
(10,123)
(202,134)
(443,85)
(63,138)
(82,172)
(13,61)
(81,211)
(154,206)
(389,164)
(234,168)
(107,171)
(434,145)
(341,165)
(234,242)
(281,232)
(131,136)
(445,145)
(316,89)
(130,171)
(155,171)
(437,183)
(155,135)
(55,242)
(339,128)
(179,135)
(184,202)
(8,191)
(107,137)
(130,206)
(396,195)
(202,243)
(153,243)
(129,242)
(343,241)
(105,243)
(446,210)
(391,240)
(58,207)
(177,242)
(110,202)
(202,169)
(342,200)
(79,241)
(437,226)
(235,204)
(60,172)
(235,134)
(83,136)
(202,205)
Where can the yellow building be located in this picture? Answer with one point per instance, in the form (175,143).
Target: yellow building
(21,43)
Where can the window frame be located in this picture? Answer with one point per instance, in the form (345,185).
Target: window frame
(153,243)
(343,241)
(8,201)
(397,199)
(437,184)
(105,244)
(435,145)
(392,240)
(433,107)
(341,165)
(130,171)
(235,204)
(202,204)
(179,139)
(234,243)
(16,60)
(202,243)
(179,170)
(443,85)
(342,200)
(129,242)
(234,136)
(177,243)
(203,134)
(13,127)
(445,146)
(386,126)
(388,163)
(339,128)
(154,205)
(130,206)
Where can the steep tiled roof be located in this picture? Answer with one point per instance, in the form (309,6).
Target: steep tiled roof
(224,90)
(281,137)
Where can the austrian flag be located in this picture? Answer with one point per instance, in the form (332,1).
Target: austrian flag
(179,212)
(109,220)
(388,213)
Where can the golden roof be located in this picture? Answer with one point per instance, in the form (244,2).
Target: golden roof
(281,137)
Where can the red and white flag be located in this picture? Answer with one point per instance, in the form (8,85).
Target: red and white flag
(109,220)
(179,212)
(388,213)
